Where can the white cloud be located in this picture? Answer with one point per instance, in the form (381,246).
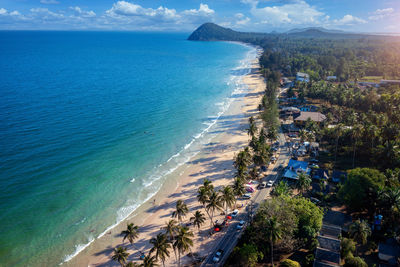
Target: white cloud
(348,20)
(49,2)
(82,13)
(293,12)
(135,15)
(3,11)
(381,13)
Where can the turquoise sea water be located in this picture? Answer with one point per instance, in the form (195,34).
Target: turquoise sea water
(90,123)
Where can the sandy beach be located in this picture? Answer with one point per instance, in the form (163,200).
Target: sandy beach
(214,162)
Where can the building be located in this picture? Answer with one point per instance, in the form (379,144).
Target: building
(302,77)
(313,116)
(294,168)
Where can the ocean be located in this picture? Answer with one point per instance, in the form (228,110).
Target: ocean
(90,125)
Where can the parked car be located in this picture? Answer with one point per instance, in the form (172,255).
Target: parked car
(273,159)
(240,225)
(247,196)
(270,183)
(218,255)
(263,185)
(234,213)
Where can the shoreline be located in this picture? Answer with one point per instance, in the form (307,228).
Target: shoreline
(230,136)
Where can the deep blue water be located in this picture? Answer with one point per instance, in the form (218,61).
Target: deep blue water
(89,121)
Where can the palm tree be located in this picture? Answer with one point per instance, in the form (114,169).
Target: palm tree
(356,134)
(303,135)
(202,195)
(282,188)
(227,197)
(131,233)
(120,255)
(214,203)
(338,132)
(360,231)
(252,127)
(238,188)
(207,186)
(149,261)
(181,210)
(242,160)
(183,242)
(273,233)
(303,183)
(198,219)
(161,245)
(171,228)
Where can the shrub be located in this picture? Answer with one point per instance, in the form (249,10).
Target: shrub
(289,263)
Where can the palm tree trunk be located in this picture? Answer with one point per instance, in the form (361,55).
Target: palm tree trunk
(337,142)
(272,254)
(354,154)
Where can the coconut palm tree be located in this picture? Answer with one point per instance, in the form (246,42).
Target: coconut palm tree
(171,229)
(355,135)
(338,133)
(273,234)
(202,196)
(183,242)
(252,127)
(360,231)
(303,183)
(238,188)
(207,186)
(131,233)
(198,219)
(180,211)
(242,160)
(214,203)
(227,197)
(120,255)
(161,245)
(149,261)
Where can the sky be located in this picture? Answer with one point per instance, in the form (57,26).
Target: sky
(187,15)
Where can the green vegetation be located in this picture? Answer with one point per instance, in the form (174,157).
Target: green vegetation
(282,224)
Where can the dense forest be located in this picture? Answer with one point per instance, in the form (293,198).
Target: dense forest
(347,56)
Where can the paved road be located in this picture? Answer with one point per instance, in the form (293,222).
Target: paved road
(231,235)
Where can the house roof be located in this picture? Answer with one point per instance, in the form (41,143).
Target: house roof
(318,263)
(388,252)
(294,167)
(337,218)
(328,256)
(301,74)
(314,116)
(332,231)
(329,243)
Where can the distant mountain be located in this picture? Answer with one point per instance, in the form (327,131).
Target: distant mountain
(321,29)
(214,32)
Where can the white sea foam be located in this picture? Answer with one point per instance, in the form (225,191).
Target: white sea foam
(180,158)
(78,249)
